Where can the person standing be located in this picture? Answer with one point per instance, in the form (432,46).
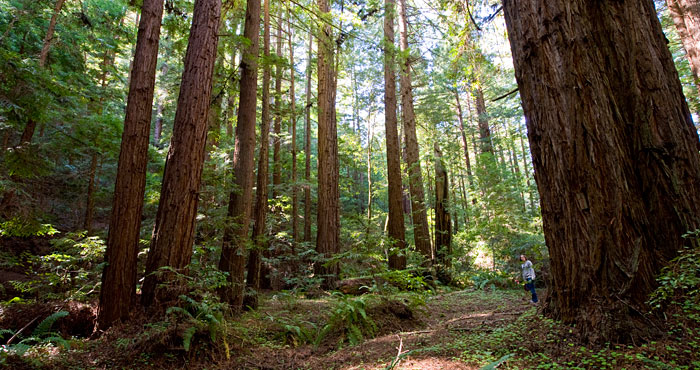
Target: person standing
(529,277)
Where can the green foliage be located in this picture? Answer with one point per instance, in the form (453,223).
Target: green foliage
(41,336)
(350,317)
(481,279)
(204,316)
(679,281)
(25,228)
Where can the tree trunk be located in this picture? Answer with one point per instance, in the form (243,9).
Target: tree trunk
(369,172)
(119,274)
(44,55)
(460,118)
(173,234)
(307,146)
(686,17)
(328,220)
(277,135)
(236,231)
(29,129)
(526,173)
(90,204)
(443,229)
(418,211)
(260,209)
(397,231)
(484,131)
(615,155)
(293,109)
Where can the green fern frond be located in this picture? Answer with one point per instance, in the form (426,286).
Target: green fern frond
(44,327)
(187,337)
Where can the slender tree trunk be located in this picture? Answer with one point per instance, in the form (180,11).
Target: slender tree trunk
(173,234)
(29,129)
(418,209)
(443,229)
(260,209)
(158,129)
(615,155)
(307,146)
(44,55)
(239,207)
(119,275)
(277,135)
(460,118)
(328,220)
(369,173)
(90,204)
(293,104)
(397,231)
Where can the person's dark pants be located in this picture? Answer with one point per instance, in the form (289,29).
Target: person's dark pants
(530,285)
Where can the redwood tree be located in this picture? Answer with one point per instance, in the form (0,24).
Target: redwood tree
(328,220)
(686,17)
(614,150)
(173,235)
(239,206)
(119,275)
(260,210)
(415,182)
(396,229)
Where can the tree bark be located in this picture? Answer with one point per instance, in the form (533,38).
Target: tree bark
(277,134)
(119,274)
(260,210)
(90,204)
(328,221)
(615,155)
(484,131)
(686,17)
(307,146)
(418,209)
(173,234)
(236,231)
(44,55)
(443,229)
(293,110)
(462,131)
(396,228)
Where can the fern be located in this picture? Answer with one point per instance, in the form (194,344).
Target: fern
(187,337)
(43,328)
(497,363)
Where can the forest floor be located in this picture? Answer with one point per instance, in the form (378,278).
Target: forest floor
(447,329)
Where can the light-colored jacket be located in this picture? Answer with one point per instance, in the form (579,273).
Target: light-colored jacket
(528,271)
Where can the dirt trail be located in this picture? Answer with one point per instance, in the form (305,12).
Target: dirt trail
(443,319)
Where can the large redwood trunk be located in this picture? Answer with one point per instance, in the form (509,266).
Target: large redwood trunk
(328,221)
(119,275)
(421,234)
(173,235)
(396,229)
(236,231)
(615,155)
(260,210)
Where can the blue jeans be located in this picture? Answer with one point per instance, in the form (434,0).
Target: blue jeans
(530,285)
